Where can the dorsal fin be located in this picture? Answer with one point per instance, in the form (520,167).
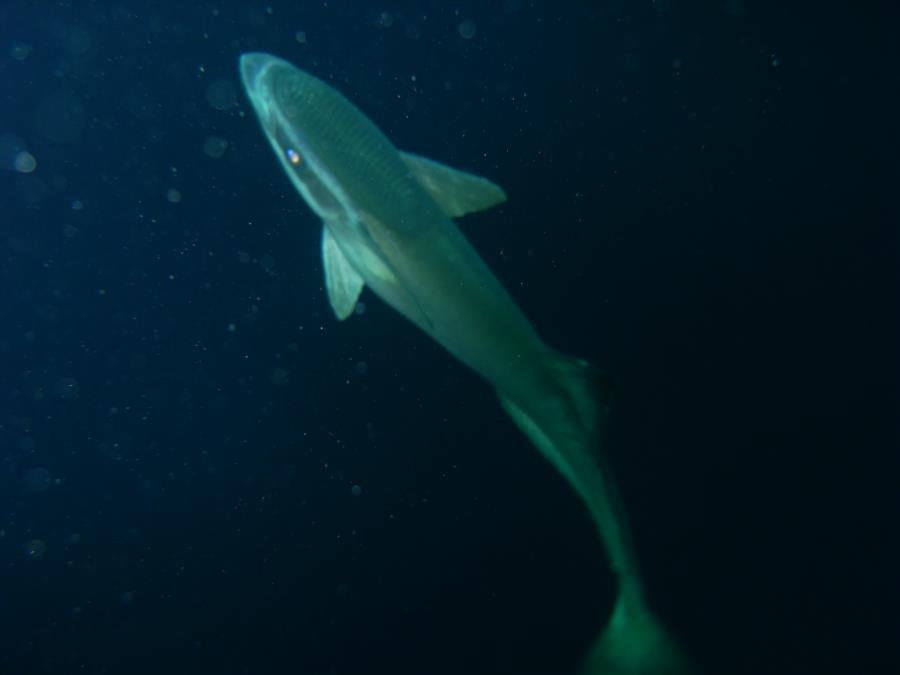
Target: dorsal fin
(456,192)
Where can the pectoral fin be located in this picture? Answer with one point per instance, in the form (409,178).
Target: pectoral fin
(456,192)
(380,251)
(342,282)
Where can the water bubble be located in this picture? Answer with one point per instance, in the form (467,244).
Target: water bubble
(173,195)
(35,549)
(300,36)
(356,491)
(467,29)
(215,147)
(19,51)
(221,95)
(66,387)
(24,162)
(37,479)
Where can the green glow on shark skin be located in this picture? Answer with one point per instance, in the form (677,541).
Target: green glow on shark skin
(386,224)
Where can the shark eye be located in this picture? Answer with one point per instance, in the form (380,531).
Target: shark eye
(293,156)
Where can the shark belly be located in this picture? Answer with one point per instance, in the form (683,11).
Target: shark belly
(467,310)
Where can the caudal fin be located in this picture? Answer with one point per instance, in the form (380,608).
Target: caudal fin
(635,643)
(565,418)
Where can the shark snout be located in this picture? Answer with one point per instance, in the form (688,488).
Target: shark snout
(251,65)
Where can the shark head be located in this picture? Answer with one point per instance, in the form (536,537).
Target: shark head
(290,107)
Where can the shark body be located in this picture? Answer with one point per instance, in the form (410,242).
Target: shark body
(387,224)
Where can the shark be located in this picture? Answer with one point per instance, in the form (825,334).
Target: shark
(388,224)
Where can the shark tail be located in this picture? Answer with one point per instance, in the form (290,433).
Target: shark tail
(634,642)
(565,417)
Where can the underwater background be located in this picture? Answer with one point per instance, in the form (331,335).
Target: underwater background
(203,471)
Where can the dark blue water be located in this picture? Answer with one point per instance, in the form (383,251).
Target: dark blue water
(202,471)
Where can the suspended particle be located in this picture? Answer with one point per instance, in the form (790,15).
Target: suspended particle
(35,549)
(221,95)
(66,387)
(215,146)
(24,162)
(467,29)
(20,51)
